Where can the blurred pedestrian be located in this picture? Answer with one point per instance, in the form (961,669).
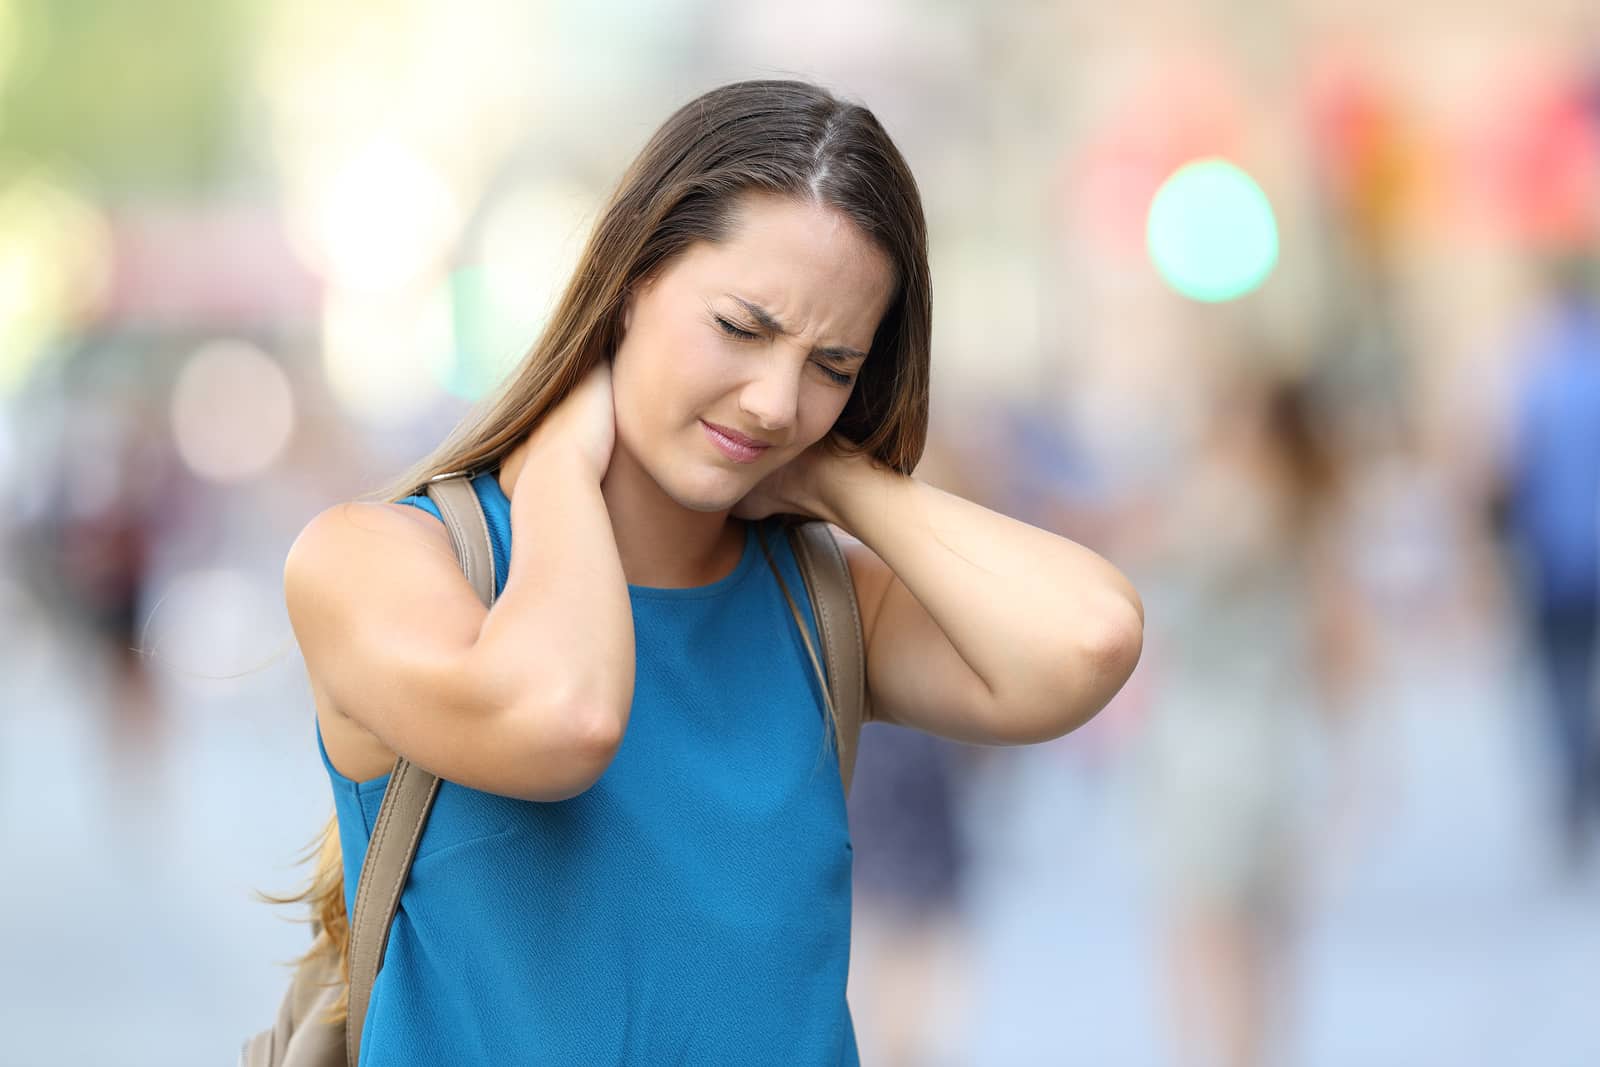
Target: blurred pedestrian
(1552,513)
(1249,630)
(909,959)
(110,483)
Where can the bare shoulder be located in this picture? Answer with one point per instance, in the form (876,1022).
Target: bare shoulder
(355,527)
(359,578)
(352,552)
(391,632)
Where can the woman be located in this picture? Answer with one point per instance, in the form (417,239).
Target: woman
(1258,646)
(635,856)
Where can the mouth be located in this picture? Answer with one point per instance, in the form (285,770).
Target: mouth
(733,445)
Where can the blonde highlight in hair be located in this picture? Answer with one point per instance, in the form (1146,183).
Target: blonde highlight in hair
(779,137)
(330,942)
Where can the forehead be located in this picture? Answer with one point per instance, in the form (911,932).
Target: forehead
(797,258)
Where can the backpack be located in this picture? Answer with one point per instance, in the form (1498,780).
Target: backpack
(302,1036)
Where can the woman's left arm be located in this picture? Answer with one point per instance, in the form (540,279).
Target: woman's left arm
(978,627)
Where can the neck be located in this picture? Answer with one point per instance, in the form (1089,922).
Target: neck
(660,542)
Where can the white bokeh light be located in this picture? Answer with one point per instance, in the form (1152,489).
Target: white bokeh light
(530,243)
(55,266)
(525,251)
(232,411)
(382,219)
(214,625)
(385,357)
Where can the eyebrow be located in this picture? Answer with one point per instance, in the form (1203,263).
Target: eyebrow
(836,353)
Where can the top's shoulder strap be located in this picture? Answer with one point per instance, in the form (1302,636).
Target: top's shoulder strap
(833,596)
(409,795)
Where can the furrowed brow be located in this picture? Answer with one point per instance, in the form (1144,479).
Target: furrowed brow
(833,353)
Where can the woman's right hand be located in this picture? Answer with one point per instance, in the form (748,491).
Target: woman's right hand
(584,420)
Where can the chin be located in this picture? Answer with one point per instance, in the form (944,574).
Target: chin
(704,490)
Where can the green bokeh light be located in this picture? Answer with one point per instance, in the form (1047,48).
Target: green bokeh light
(486,346)
(1212,234)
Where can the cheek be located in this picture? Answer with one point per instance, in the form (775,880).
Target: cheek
(667,376)
(627,385)
(694,376)
(828,404)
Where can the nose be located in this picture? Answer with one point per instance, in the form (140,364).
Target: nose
(772,398)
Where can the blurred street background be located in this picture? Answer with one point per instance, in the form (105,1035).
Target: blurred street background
(1291,311)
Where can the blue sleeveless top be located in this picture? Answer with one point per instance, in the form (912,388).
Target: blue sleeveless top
(691,907)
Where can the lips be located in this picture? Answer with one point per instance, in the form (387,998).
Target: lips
(736,437)
(731,446)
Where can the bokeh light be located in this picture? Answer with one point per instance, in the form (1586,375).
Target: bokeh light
(529,242)
(232,411)
(384,218)
(211,624)
(1212,233)
(55,264)
(384,356)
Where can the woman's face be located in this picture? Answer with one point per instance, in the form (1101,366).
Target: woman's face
(763,334)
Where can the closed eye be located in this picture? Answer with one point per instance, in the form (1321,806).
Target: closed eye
(749,335)
(733,331)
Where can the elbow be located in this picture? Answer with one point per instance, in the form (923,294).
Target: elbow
(1105,659)
(1108,644)
(1113,647)
(597,736)
(575,743)
(1088,673)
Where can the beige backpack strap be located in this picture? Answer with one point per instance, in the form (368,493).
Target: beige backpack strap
(408,798)
(833,600)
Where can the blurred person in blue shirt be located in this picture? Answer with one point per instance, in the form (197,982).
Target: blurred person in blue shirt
(1552,502)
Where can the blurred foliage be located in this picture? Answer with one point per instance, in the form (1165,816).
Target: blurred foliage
(133,96)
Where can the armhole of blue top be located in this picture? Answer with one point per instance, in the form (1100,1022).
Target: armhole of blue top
(365,786)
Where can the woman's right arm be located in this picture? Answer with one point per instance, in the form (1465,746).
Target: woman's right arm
(529,699)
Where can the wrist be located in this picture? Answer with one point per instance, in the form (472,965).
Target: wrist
(544,462)
(563,452)
(850,480)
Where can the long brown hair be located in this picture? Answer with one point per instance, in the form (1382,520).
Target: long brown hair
(782,137)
